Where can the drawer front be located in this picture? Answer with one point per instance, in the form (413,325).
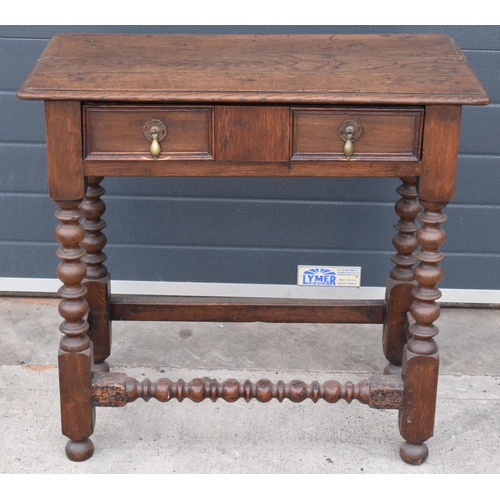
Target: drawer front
(117,132)
(382,134)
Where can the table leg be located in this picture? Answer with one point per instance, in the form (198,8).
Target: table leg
(420,358)
(75,353)
(401,282)
(97,279)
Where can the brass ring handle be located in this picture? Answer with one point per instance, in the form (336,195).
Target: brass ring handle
(155,131)
(349,132)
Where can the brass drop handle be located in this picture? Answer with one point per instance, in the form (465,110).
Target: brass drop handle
(349,144)
(155,131)
(349,132)
(155,148)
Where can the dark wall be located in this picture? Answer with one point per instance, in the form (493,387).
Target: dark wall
(247,230)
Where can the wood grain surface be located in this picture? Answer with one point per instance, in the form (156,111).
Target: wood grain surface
(363,69)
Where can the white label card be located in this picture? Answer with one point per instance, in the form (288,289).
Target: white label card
(328,276)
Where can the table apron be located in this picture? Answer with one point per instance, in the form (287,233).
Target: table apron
(213,168)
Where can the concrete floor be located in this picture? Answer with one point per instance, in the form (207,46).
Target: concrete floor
(245,437)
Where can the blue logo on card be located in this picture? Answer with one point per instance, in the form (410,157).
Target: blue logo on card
(319,276)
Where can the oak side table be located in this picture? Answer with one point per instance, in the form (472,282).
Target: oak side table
(252,105)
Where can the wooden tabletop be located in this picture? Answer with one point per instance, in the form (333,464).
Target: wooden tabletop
(320,69)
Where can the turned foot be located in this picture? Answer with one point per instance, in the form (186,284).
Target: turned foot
(414,454)
(78,451)
(391,369)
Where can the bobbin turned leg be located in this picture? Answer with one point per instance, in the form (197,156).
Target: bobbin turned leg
(97,279)
(75,353)
(421,359)
(400,282)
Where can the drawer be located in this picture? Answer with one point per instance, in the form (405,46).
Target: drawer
(381,134)
(114,132)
